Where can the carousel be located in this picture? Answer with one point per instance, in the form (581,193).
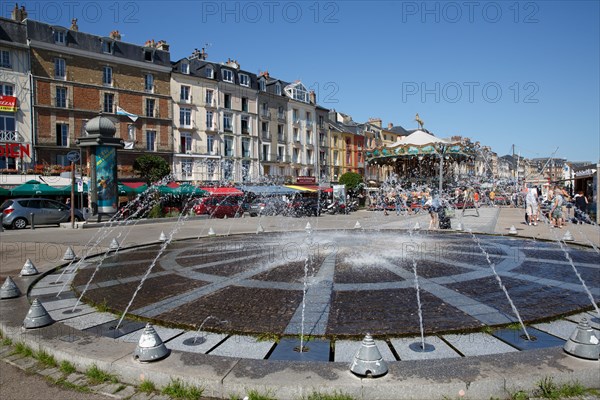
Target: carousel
(423,158)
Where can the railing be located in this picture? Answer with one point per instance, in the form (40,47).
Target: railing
(281,138)
(265,113)
(281,116)
(9,136)
(211,103)
(245,130)
(296,121)
(186,101)
(265,135)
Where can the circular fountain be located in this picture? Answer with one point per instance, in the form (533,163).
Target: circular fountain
(345,283)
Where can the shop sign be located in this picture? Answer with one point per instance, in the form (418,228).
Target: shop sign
(14,150)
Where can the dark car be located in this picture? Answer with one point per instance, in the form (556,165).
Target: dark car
(267,206)
(17,212)
(304,207)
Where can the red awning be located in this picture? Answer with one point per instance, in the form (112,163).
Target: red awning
(223,191)
(133,185)
(173,185)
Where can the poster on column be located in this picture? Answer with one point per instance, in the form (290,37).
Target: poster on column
(105,179)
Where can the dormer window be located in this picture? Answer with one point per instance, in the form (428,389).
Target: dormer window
(209,72)
(185,68)
(278,89)
(227,75)
(262,85)
(244,80)
(297,91)
(107,46)
(60,37)
(148,55)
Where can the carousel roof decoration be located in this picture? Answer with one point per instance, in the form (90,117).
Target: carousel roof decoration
(420,143)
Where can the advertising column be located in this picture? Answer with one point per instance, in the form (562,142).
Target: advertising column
(106,179)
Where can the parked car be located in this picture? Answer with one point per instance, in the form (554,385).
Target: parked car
(17,212)
(220,206)
(304,207)
(267,206)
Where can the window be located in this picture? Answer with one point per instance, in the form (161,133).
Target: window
(280,153)
(61,97)
(309,156)
(245,171)
(5,59)
(185,68)
(109,100)
(295,155)
(245,124)
(280,113)
(209,73)
(244,104)
(321,121)
(107,46)
(150,108)
(149,83)
(308,137)
(308,117)
(280,134)
(209,120)
(185,116)
(228,146)
(186,142)
(227,100)
(266,149)
(295,116)
(107,76)
(150,140)
(62,135)
(7,125)
(227,125)
(246,148)
(184,95)
(227,170)
(60,68)
(264,128)
(227,75)
(296,135)
(148,55)
(186,168)
(60,37)
(208,98)
(6,89)
(262,86)
(210,143)
(244,80)
(210,169)
(278,89)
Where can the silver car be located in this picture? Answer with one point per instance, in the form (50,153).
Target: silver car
(17,212)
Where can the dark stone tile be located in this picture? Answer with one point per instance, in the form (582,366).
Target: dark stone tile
(561,272)
(518,339)
(109,273)
(348,273)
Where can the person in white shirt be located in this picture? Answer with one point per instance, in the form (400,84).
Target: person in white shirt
(531,202)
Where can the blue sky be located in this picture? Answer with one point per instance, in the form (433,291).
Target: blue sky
(503,73)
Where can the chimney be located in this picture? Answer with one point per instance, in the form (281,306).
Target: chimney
(375,121)
(74,26)
(203,54)
(313,97)
(115,35)
(232,63)
(390,126)
(162,45)
(265,74)
(17,14)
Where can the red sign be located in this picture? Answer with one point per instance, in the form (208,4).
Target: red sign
(14,150)
(8,103)
(306,180)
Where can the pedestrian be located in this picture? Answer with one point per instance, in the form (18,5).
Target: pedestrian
(492,197)
(581,207)
(531,204)
(556,210)
(433,204)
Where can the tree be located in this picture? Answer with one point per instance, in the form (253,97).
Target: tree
(151,167)
(352,180)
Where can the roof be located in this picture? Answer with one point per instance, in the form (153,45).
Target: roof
(44,33)
(198,69)
(12,31)
(419,138)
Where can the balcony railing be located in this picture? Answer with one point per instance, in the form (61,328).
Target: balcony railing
(9,136)
(281,138)
(186,101)
(265,135)
(265,113)
(281,116)
(296,121)
(211,103)
(284,158)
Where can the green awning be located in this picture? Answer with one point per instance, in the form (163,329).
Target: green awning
(4,192)
(36,188)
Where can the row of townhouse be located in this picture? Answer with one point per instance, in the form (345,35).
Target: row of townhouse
(210,121)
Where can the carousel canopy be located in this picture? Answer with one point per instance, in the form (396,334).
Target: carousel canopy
(416,144)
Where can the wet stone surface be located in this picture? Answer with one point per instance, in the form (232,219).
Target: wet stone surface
(254,283)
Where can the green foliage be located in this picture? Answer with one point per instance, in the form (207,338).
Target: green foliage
(156,211)
(66,367)
(179,390)
(151,167)
(147,386)
(352,180)
(6,341)
(23,349)
(255,395)
(550,390)
(95,375)
(45,358)
(334,396)
(520,395)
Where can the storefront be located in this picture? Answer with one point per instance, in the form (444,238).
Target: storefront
(586,181)
(13,151)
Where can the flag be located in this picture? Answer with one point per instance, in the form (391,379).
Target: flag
(120,111)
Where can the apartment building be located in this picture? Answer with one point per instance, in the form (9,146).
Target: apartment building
(77,75)
(16,133)
(323,162)
(301,115)
(216,120)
